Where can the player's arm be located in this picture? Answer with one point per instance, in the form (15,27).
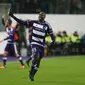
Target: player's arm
(10,13)
(53,38)
(50,32)
(3,20)
(11,36)
(4,39)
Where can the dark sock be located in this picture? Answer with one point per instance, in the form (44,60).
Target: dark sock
(32,69)
(21,61)
(31,76)
(36,68)
(34,72)
(4,61)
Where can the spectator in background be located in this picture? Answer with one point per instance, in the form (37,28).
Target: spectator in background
(20,32)
(58,45)
(48,48)
(76,7)
(75,37)
(65,37)
(66,41)
(59,37)
(17,36)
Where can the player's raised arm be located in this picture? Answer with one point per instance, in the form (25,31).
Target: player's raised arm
(10,13)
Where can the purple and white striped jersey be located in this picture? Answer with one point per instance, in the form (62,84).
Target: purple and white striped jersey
(10,34)
(39,31)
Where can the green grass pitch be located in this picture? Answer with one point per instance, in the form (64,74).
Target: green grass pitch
(53,71)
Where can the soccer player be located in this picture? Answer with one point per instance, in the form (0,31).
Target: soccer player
(40,28)
(10,48)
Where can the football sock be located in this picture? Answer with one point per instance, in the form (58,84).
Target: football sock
(21,61)
(31,76)
(4,61)
(34,69)
(34,72)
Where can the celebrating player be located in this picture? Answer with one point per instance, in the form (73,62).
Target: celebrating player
(40,28)
(10,48)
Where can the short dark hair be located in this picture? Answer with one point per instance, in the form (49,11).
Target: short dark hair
(42,13)
(9,21)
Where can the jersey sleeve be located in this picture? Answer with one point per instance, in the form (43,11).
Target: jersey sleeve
(24,22)
(50,32)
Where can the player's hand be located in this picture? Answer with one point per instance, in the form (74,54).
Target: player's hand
(1,41)
(10,13)
(3,17)
(52,44)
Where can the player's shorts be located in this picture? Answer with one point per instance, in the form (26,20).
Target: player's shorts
(37,51)
(11,48)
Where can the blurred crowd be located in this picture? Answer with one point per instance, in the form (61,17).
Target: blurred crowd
(66,44)
(48,6)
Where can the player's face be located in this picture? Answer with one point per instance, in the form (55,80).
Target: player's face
(42,16)
(7,23)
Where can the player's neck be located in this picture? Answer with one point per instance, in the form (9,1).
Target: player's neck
(41,21)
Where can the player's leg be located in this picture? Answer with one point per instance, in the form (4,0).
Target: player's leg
(4,59)
(28,60)
(6,52)
(37,66)
(20,60)
(30,57)
(19,46)
(18,56)
(35,63)
(39,53)
(24,41)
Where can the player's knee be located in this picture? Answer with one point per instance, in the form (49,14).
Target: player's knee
(17,55)
(34,61)
(5,53)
